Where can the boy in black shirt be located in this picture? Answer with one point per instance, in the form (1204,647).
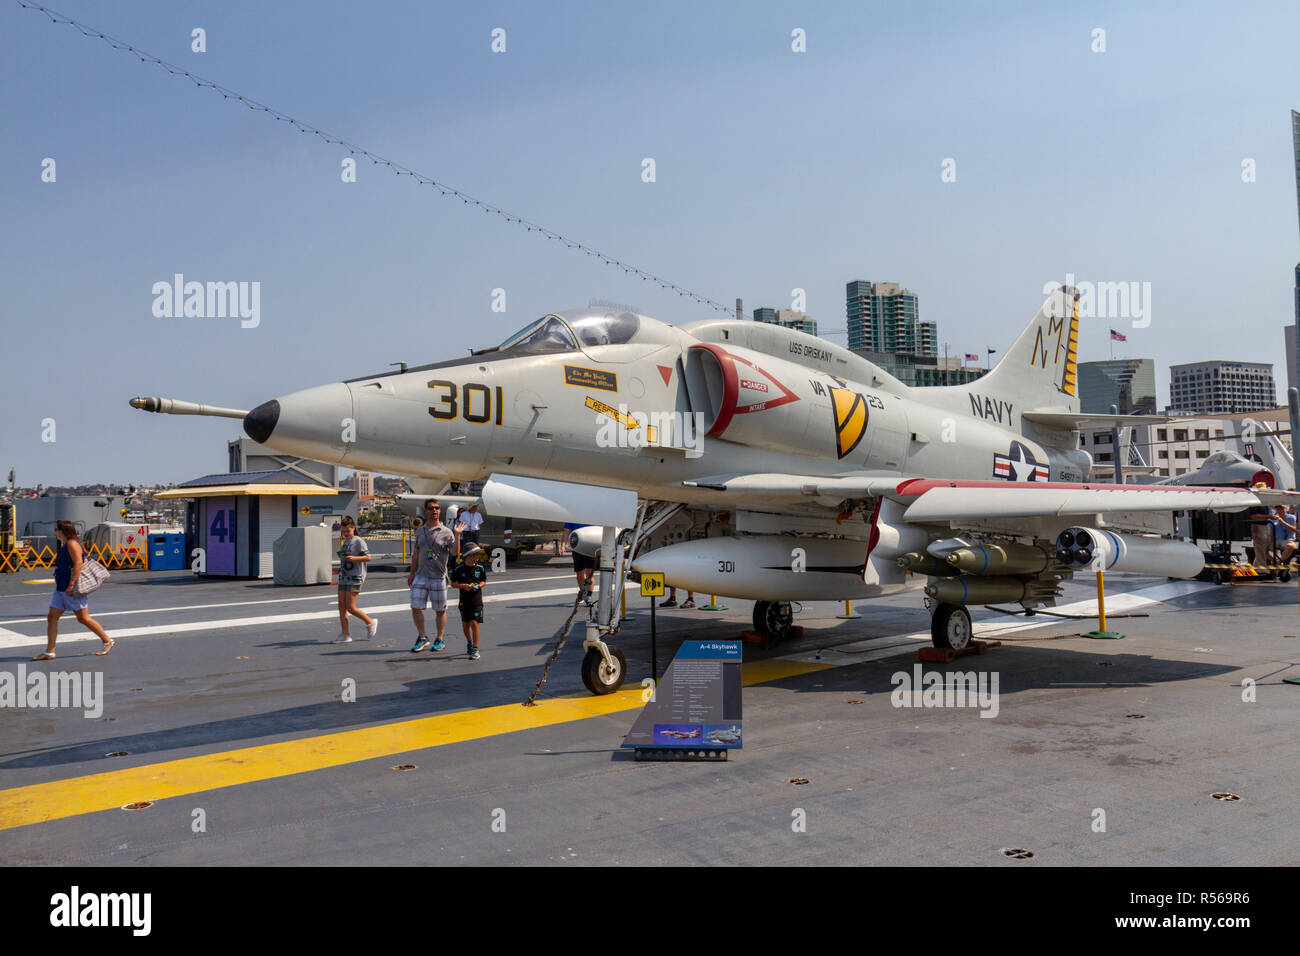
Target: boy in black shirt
(468,577)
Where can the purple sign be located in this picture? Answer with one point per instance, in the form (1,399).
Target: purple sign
(221,535)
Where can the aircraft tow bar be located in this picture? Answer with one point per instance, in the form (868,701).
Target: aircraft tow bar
(607,674)
(564,632)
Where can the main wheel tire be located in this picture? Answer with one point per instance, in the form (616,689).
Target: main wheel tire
(775,619)
(950,628)
(597,675)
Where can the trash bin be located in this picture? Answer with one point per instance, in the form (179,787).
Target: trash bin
(166,552)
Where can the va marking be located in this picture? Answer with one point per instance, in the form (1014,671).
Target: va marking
(820,390)
(991,410)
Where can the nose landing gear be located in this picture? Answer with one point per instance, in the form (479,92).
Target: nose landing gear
(601,675)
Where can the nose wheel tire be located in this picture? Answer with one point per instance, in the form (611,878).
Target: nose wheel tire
(950,628)
(598,676)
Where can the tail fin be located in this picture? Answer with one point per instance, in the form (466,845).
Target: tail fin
(1040,371)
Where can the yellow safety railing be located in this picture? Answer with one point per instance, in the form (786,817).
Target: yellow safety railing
(119,557)
(30,559)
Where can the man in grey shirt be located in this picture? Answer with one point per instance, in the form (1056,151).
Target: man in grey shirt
(434,547)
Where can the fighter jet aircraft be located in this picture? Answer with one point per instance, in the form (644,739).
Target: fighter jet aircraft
(1225,469)
(829,478)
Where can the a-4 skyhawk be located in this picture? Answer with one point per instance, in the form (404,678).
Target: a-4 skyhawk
(753,461)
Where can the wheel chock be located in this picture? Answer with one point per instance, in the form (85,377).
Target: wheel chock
(945,655)
(765,639)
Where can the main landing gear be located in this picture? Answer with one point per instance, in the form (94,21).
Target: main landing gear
(950,627)
(775,618)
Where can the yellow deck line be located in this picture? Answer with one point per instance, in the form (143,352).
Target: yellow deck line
(56,799)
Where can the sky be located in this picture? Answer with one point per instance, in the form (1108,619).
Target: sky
(775,170)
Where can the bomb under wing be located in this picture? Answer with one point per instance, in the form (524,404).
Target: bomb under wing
(979,589)
(1011,558)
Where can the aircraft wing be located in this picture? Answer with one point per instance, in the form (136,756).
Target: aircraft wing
(934,500)
(768,491)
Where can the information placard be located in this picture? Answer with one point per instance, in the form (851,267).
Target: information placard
(697,704)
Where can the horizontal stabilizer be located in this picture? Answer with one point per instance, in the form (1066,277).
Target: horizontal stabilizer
(1086,420)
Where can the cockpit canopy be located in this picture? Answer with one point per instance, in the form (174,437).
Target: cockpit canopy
(581,329)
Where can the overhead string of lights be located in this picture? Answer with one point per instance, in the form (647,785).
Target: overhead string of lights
(355,150)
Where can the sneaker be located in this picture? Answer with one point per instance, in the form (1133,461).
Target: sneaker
(343,639)
(420,644)
(689,602)
(439,643)
(473,653)
(469,649)
(671,602)
(371,628)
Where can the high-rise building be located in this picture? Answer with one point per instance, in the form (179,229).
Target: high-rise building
(1291,380)
(365,485)
(1128,383)
(789,318)
(1295,147)
(924,370)
(882,317)
(1219,387)
(793,319)
(1289,334)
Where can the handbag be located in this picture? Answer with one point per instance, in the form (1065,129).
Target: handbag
(92,575)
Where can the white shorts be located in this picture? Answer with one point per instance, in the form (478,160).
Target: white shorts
(433,593)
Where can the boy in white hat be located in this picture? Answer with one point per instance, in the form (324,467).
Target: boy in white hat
(468,577)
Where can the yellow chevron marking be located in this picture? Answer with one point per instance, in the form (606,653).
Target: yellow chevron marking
(850,410)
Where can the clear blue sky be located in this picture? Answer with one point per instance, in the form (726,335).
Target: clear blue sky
(775,170)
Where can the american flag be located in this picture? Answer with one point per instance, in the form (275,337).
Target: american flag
(972,357)
(1117,337)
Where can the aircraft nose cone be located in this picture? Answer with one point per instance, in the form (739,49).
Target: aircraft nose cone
(260,422)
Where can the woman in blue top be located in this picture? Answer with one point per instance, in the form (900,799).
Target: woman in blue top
(67,568)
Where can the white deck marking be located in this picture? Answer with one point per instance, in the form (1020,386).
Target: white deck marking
(331,596)
(13,639)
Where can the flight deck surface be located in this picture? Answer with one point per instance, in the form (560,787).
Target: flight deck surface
(226,697)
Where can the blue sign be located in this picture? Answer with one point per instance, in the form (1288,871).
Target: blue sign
(696,705)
